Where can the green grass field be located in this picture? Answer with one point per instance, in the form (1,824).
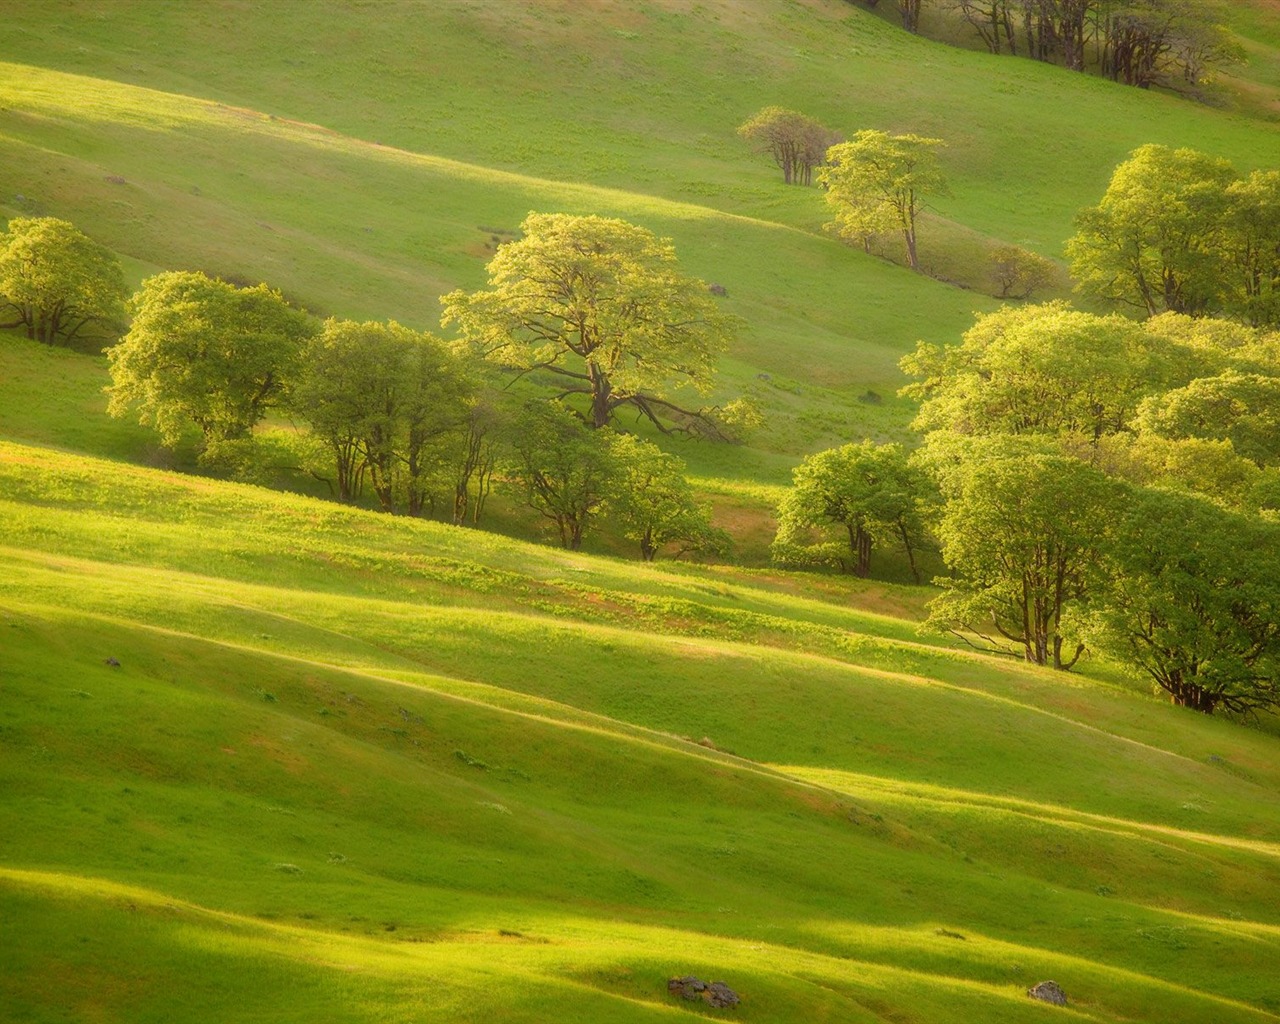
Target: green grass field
(351,767)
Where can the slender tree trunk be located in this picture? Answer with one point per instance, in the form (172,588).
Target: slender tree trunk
(910,15)
(863,566)
(911,553)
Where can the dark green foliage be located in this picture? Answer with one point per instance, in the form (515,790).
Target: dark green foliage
(1189,594)
(393,405)
(564,470)
(1020,529)
(871,493)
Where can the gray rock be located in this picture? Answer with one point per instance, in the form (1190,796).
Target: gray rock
(719,994)
(687,987)
(716,994)
(1048,992)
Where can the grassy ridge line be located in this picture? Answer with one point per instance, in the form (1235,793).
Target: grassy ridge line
(473,693)
(356,230)
(68,506)
(965,673)
(87,507)
(925,803)
(128,131)
(690,74)
(944,797)
(1110,991)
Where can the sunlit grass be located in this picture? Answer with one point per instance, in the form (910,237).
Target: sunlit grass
(341,750)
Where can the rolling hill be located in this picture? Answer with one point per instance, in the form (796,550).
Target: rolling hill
(266,757)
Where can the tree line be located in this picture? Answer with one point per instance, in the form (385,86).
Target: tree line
(1091,482)
(1105,482)
(424,425)
(1172,43)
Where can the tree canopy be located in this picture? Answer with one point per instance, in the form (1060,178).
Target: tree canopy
(878,182)
(1189,595)
(796,141)
(869,492)
(383,398)
(1151,244)
(1243,408)
(1181,231)
(563,471)
(1045,369)
(1020,529)
(652,502)
(601,304)
(57,282)
(201,351)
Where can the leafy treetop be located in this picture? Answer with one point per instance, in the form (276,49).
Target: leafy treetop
(56,281)
(878,182)
(600,303)
(203,351)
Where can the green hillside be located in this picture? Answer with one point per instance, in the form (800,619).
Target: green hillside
(365,164)
(361,768)
(268,757)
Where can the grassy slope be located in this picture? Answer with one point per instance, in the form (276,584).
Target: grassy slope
(443,120)
(365,769)
(343,752)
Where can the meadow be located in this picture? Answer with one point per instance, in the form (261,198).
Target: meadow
(268,757)
(343,754)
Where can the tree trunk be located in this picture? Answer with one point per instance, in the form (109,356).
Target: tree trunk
(1190,695)
(911,553)
(862,567)
(601,395)
(910,15)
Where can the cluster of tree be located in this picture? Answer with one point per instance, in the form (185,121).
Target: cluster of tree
(59,284)
(877,185)
(573,475)
(796,141)
(1174,43)
(599,304)
(846,500)
(1178,230)
(1111,484)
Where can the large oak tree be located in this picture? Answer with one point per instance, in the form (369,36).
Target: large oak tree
(602,305)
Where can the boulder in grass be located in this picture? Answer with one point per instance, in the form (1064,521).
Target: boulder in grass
(715,993)
(720,995)
(1048,992)
(687,987)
